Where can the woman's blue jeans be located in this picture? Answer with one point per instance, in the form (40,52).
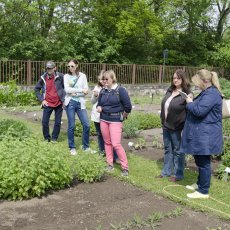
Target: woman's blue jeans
(72,108)
(203,163)
(173,160)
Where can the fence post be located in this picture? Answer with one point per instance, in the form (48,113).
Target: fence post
(160,74)
(103,66)
(29,73)
(134,74)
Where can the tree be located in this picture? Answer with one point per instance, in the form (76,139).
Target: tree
(223,7)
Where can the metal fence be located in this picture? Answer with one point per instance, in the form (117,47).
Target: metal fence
(28,72)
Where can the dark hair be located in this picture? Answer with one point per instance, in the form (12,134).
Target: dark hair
(100,76)
(185,84)
(76,62)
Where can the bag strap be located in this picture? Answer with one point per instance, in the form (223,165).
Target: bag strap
(76,81)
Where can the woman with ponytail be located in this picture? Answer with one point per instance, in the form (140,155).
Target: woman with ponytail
(202,134)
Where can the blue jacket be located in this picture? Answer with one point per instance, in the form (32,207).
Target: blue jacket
(114,103)
(40,87)
(202,133)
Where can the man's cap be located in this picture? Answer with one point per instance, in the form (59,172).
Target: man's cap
(50,65)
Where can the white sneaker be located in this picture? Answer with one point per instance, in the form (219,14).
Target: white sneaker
(197,195)
(90,150)
(73,152)
(192,187)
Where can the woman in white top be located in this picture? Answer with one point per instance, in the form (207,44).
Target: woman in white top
(95,116)
(76,87)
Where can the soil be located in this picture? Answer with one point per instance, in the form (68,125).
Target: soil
(103,204)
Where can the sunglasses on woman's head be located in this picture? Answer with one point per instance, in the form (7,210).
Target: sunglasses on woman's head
(70,66)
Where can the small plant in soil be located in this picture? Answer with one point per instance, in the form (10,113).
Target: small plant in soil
(140,144)
(156,143)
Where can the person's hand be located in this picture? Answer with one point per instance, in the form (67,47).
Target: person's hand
(95,93)
(189,99)
(44,103)
(85,91)
(99,109)
(190,95)
(125,115)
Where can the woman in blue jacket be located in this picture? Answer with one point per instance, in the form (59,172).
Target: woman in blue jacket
(202,134)
(114,105)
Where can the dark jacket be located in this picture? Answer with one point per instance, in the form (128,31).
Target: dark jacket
(176,111)
(114,103)
(40,87)
(202,133)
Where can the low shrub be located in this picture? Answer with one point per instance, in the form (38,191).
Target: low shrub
(31,167)
(225,157)
(89,167)
(130,126)
(140,121)
(79,129)
(148,121)
(225,85)
(10,128)
(13,95)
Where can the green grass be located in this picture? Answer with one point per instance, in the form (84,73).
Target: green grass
(143,172)
(22,108)
(145,100)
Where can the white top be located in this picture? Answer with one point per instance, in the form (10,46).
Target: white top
(95,116)
(75,92)
(167,105)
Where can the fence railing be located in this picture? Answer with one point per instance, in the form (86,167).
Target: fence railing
(28,72)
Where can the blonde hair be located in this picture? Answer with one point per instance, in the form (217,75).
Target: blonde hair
(111,74)
(205,75)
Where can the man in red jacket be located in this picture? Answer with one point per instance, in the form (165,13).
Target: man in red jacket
(50,91)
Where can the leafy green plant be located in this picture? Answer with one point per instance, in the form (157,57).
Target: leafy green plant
(30,167)
(130,126)
(226,127)
(225,157)
(138,222)
(79,129)
(140,144)
(12,95)
(10,128)
(146,120)
(89,167)
(156,143)
(225,85)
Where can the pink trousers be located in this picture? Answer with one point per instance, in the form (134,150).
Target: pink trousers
(111,133)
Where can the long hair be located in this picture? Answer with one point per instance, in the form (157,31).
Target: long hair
(205,75)
(99,78)
(76,62)
(185,84)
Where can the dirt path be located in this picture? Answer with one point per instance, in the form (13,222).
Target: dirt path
(88,206)
(96,206)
